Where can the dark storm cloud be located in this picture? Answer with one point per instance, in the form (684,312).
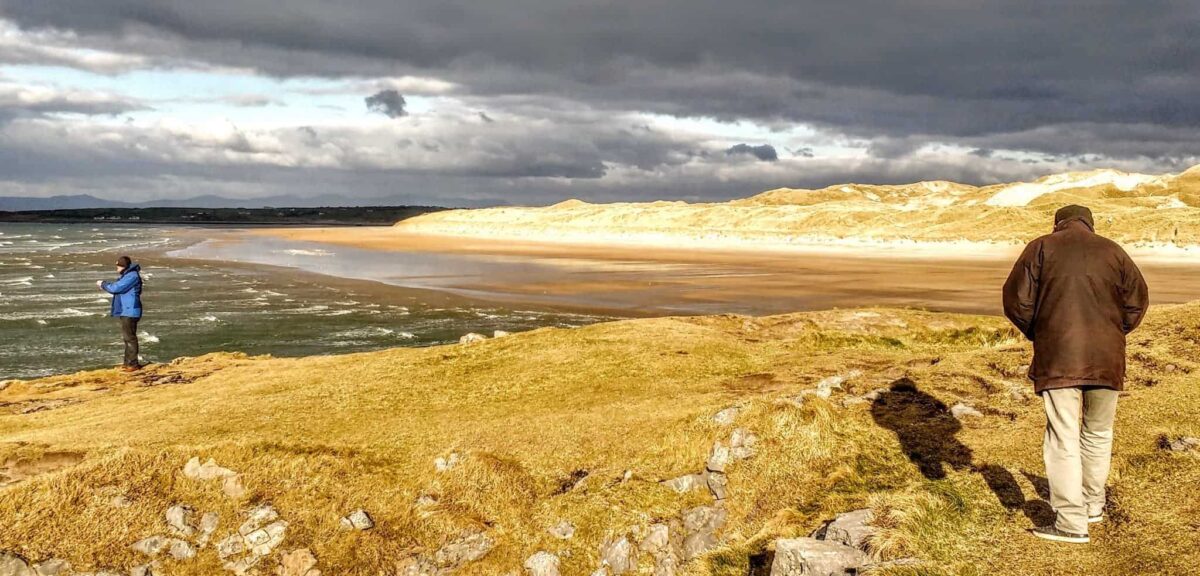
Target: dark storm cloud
(764,152)
(387,102)
(877,66)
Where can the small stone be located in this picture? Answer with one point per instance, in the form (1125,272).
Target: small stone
(963,410)
(500,333)
(233,487)
(686,483)
(563,530)
(230,546)
(741,444)
(718,459)
(826,386)
(717,482)
(150,545)
(726,417)
(627,476)
(51,567)
(275,534)
(298,562)
(120,501)
(417,566)
(181,550)
(853,529)
(542,564)
(208,471)
(426,501)
(208,525)
(1181,444)
(13,565)
(150,569)
(811,557)
(619,556)
(464,550)
(447,463)
(258,517)
(358,520)
(179,519)
(471,338)
(1168,368)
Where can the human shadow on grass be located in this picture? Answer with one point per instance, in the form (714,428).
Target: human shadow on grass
(928,435)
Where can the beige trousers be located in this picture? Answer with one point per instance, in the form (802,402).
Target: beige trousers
(1077,459)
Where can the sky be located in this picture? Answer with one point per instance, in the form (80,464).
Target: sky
(529,102)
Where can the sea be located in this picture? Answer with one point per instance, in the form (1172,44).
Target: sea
(54,320)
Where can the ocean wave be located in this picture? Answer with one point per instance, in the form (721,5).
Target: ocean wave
(147,337)
(210,318)
(339,313)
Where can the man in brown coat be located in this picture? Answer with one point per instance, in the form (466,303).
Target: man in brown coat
(1076,295)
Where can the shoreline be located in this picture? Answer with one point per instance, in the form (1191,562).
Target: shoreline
(674,247)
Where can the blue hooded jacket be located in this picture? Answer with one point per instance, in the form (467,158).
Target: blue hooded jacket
(127,293)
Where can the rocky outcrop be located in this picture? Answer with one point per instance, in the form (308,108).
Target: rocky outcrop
(255,539)
(812,557)
(1180,444)
(852,529)
(463,550)
(471,338)
(231,482)
(618,555)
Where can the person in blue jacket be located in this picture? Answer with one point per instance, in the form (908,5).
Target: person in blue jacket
(127,307)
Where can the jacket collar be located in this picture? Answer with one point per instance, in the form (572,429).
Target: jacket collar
(1072,224)
(132,268)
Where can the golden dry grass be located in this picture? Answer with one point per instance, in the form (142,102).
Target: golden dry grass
(318,437)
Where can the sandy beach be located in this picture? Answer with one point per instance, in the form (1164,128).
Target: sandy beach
(655,280)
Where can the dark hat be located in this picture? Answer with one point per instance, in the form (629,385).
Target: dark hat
(1074,212)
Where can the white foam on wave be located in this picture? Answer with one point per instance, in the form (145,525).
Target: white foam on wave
(300,252)
(339,313)
(210,318)
(147,337)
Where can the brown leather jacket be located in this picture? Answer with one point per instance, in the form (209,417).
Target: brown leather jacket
(1076,295)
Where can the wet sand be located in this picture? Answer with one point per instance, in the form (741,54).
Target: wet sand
(657,281)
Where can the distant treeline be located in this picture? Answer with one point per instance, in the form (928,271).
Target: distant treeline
(332,216)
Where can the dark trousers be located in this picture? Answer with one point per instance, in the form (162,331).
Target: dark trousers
(129,335)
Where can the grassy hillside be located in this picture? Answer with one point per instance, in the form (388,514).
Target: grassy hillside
(582,425)
(1134,209)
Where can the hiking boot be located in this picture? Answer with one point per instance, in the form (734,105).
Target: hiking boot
(1052,533)
(130,368)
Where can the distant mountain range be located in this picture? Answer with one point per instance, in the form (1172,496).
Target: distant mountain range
(83,201)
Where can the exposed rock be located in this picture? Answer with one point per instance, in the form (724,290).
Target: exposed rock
(812,557)
(426,501)
(1181,444)
(962,410)
(181,550)
(853,529)
(717,483)
(727,416)
(5,384)
(233,487)
(258,517)
(150,545)
(718,459)
(874,394)
(500,333)
(206,471)
(443,464)
(542,564)
(563,530)
(471,338)
(179,519)
(358,520)
(657,543)
(741,444)
(120,501)
(686,483)
(298,562)
(53,567)
(464,550)
(13,565)
(417,566)
(627,476)
(151,569)
(601,571)
(700,525)
(618,555)
(208,525)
